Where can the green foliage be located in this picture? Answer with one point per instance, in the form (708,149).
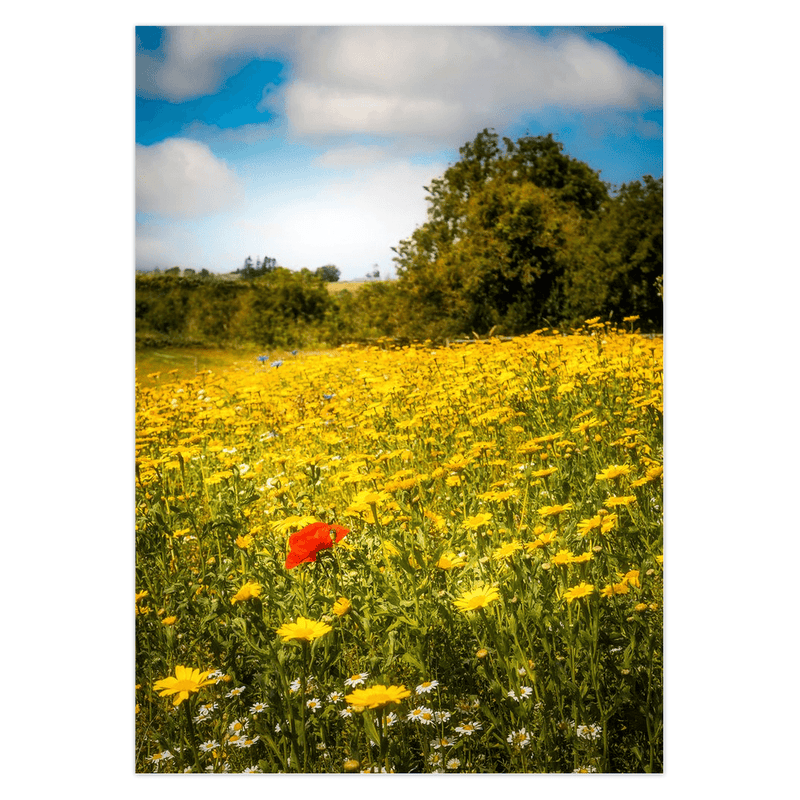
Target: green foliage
(274,308)
(626,265)
(525,238)
(329,273)
(262,268)
(369,313)
(284,307)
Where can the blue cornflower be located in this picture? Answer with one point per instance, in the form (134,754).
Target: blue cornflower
(328,396)
(262,359)
(276,363)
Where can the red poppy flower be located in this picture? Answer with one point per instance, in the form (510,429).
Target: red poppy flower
(307,543)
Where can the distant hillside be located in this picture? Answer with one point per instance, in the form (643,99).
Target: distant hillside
(333,288)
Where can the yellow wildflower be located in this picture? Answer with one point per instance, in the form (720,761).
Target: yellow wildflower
(614,471)
(377,696)
(543,473)
(562,557)
(620,501)
(614,588)
(478,520)
(477,598)
(244,541)
(341,606)
(450,561)
(582,590)
(554,511)
(184,682)
(304,629)
(248,591)
(632,578)
(506,550)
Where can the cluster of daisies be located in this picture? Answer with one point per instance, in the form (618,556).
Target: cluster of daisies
(240,735)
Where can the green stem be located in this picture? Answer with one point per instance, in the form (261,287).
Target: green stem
(303,672)
(190,735)
(288,695)
(383,741)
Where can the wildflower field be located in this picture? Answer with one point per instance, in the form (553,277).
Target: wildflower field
(404,559)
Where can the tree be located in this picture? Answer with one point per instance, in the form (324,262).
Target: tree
(502,233)
(268,265)
(329,273)
(248,272)
(625,261)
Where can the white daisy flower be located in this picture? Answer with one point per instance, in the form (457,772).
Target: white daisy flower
(422,715)
(444,741)
(588,731)
(520,738)
(468,728)
(314,704)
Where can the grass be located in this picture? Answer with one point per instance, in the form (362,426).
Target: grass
(335,287)
(155,366)
(501,572)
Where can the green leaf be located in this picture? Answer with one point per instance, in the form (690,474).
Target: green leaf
(370,728)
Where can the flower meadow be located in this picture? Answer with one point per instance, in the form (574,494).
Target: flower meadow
(405,559)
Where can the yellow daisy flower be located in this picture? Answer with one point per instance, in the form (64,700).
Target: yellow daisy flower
(377,696)
(304,629)
(182,684)
(582,590)
(341,606)
(247,592)
(477,598)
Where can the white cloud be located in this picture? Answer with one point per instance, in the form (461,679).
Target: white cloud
(440,82)
(183,178)
(197,58)
(453,81)
(318,109)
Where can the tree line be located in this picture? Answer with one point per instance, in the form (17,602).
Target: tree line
(519,236)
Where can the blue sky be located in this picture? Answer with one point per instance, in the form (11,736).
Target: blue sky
(312,145)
